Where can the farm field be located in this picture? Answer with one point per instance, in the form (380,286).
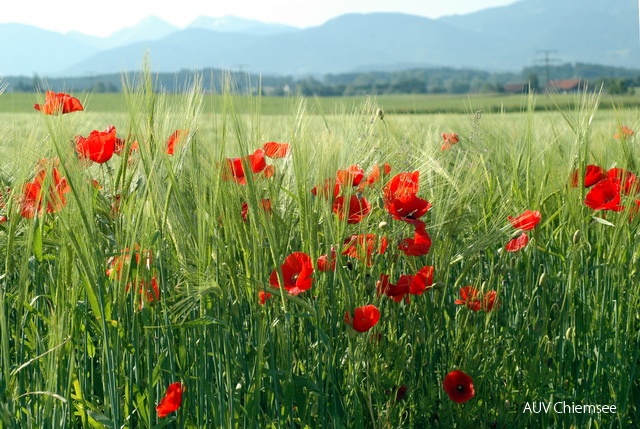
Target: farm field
(310,263)
(398,104)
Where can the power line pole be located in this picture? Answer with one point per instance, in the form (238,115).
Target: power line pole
(547,60)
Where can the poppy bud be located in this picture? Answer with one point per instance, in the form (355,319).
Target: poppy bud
(379,114)
(576,236)
(382,225)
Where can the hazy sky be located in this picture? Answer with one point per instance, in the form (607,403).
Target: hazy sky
(103,18)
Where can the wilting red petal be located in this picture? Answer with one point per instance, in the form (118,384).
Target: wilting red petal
(352,176)
(526,221)
(470,297)
(374,176)
(364,318)
(276,150)
(99,146)
(357,209)
(171,400)
(363,246)
(605,195)
(517,243)
(458,386)
(58,103)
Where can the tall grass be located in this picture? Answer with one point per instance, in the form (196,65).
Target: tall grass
(80,348)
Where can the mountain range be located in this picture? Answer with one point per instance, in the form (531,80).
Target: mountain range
(505,38)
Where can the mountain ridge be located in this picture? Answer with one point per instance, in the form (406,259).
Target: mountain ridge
(504,38)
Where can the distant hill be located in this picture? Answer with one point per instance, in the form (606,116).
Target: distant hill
(29,50)
(504,38)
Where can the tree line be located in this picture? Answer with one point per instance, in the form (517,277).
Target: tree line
(440,80)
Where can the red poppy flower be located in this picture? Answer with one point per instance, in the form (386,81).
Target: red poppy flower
(605,195)
(149,292)
(31,201)
(171,401)
(263,297)
(459,386)
(357,209)
(266,207)
(375,174)
(352,176)
(402,184)
(623,133)
(420,244)
(329,189)
(628,180)
(364,318)
(397,291)
(121,144)
(296,272)
(176,137)
(490,301)
(327,262)
(526,221)
(448,140)
(99,146)
(269,171)
(58,103)
(363,247)
(421,281)
(117,263)
(517,243)
(592,175)
(408,207)
(471,297)
(276,150)
(235,166)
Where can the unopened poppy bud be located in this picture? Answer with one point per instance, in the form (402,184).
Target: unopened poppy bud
(576,236)
(382,225)
(379,114)
(542,278)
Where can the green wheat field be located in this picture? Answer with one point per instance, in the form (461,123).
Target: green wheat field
(156,267)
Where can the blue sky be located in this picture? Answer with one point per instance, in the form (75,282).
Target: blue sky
(102,19)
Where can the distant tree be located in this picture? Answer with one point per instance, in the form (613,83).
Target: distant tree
(533,81)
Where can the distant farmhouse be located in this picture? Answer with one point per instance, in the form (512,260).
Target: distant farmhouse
(563,86)
(566,85)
